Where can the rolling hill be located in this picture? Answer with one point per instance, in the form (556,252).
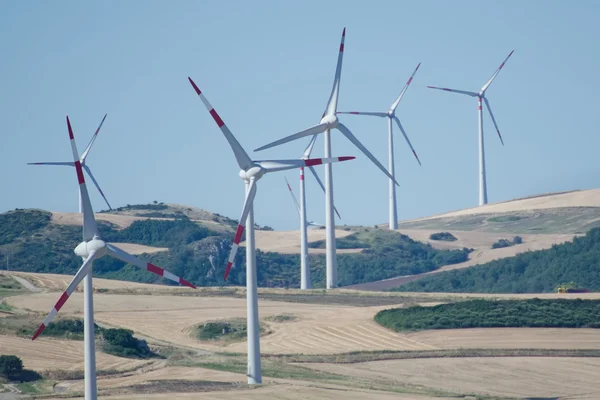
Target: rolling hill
(195,244)
(541,221)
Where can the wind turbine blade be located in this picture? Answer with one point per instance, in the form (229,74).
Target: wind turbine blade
(312,169)
(489,82)
(293,197)
(342,128)
(282,165)
(70,164)
(89,171)
(335,90)
(395,104)
(487,104)
(83,271)
(313,130)
(407,140)
(122,255)
(310,146)
(241,156)
(472,94)
(240,228)
(89,222)
(369,113)
(89,146)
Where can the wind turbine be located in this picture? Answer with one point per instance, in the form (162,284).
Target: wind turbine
(304,264)
(481,96)
(83,165)
(329,121)
(251,171)
(391,115)
(93,248)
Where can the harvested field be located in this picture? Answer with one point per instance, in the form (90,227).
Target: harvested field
(59,282)
(319,328)
(51,354)
(577,198)
(510,338)
(532,377)
(288,242)
(287,391)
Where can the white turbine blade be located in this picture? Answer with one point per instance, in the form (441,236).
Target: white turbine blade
(89,171)
(312,223)
(293,197)
(83,271)
(314,172)
(407,140)
(342,128)
(122,255)
(395,104)
(251,193)
(89,146)
(310,146)
(70,164)
(472,94)
(90,228)
(313,130)
(369,113)
(282,165)
(489,82)
(241,156)
(335,90)
(487,104)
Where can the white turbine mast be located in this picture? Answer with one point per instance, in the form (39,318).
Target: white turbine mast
(329,121)
(250,172)
(305,282)
(391,116)
(93,248)
(481,97)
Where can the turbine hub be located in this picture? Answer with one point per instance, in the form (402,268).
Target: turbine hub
(83,249)
(255,172)
(330,120)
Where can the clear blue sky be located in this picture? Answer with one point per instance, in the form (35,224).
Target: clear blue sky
(267,67)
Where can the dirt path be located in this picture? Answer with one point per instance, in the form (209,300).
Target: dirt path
(26,284)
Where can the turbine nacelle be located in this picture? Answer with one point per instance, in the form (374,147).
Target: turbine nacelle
(331,120)
(97,245)
(255,172)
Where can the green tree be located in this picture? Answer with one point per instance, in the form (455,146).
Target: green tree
(10,366)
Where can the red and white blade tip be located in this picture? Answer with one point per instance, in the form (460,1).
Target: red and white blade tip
(38,332)
(159,271)
(195,87)
(70,129)
(344,32)
(61,302)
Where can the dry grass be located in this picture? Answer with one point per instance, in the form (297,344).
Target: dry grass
(51,354)
(516,377)
(288,242)
(578,198)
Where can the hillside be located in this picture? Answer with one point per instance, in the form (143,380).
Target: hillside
(568,212)
(531,272)
(197,249)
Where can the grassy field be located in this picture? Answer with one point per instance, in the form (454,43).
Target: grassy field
(316,345)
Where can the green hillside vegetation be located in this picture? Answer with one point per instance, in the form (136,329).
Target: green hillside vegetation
(533,313)
(199,254)
(530,272)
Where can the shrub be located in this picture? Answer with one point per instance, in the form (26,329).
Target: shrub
(501,244)
(445,236)
(120,342)
(10,366)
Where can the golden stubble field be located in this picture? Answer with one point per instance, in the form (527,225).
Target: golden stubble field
(320,329)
